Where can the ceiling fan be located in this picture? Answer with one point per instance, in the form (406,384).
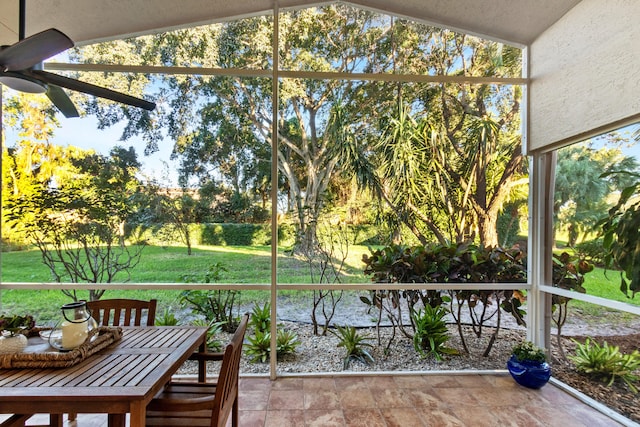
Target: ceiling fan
(21,69)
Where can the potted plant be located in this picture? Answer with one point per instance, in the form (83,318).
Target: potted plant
(528,365)
(11,340)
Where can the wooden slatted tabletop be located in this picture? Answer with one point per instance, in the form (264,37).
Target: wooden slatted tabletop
(118,380)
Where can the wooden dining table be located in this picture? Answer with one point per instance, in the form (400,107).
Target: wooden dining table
(121,379)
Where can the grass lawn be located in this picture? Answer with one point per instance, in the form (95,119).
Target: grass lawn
(243,264)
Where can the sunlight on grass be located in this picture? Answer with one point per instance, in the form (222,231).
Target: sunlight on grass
(243,264)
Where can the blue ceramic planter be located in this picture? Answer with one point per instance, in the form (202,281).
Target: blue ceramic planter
(529,374)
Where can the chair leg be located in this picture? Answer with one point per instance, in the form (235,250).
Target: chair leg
(234,412)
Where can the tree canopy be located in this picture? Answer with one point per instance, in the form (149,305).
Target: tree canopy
(442,158)
(359,126)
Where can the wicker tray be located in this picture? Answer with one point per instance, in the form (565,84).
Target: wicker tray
(41,355)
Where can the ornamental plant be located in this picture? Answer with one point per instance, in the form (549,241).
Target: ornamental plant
(529,352)
(354,344)
(258,346)
(15,324)
(452,263)
(431,332)
(607,362)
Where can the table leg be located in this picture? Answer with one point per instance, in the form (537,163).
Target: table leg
(55,420)
(117,420)
(138,415)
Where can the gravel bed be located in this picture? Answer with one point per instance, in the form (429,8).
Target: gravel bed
(317,354)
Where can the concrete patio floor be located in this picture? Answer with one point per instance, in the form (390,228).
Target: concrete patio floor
(400,400)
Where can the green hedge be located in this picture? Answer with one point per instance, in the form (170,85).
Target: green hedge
(235,234)
(218,234)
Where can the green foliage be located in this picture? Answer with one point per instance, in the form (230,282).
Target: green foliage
(213,330)
(607,362)
(621,235)
(78,224)
(354,345)
(215,305)
(258,347)
(211,275)
(453,263)
(528,351)
(472,151)
(580,188)
(235,234)
(261,317)
(400,264)
(14,323)
(592,250)
(431,332)
(568,273)
(167,318)
(286,342)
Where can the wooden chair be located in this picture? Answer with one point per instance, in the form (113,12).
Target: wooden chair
(111,311)
(201,403)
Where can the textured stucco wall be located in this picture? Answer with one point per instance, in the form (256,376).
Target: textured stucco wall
(585,73)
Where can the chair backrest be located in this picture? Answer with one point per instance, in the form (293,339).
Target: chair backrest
(123,312)
(227,386)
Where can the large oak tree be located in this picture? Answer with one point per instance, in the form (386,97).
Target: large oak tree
(444,158)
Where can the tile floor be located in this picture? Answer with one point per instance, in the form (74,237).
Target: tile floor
(398,400)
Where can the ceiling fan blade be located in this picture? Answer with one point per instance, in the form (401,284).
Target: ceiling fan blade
(34,49)
(61,100)
(90,89)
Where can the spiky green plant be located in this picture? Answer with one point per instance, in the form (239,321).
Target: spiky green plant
(431,332)
(286,342)
(354,344)
(607,362)
(258,346)
(213,330)
(261,317)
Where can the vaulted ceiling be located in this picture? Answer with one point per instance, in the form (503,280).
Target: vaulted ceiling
(518,22)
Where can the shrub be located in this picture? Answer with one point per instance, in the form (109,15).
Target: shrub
(214,328)
(261,317)
(607,362)
(286,342)
(568,273)
(215,305)
(528,351)
(235,234)
(431,332)
(259,345)
(354,344)
(167,318)
(453,263)
(592,250)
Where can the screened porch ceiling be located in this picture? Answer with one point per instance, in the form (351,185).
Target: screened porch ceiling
(582,60)
(86,21)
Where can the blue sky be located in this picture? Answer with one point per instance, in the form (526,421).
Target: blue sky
(84,133)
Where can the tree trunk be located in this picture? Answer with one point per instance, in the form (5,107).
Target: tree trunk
(487,224)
